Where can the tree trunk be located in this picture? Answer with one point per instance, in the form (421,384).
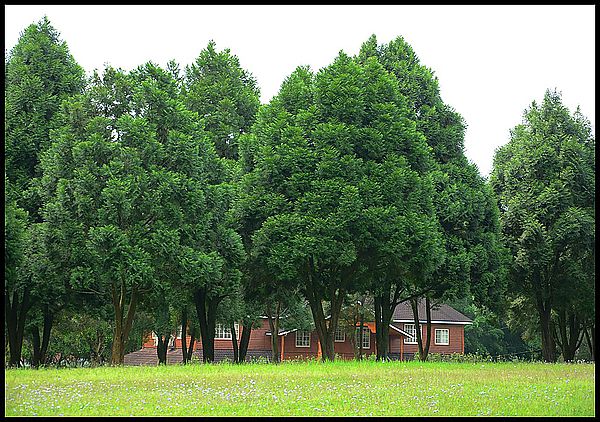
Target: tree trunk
(234,342)
(190,349)
(184,352)
(425,351)
(589,338)
(97,349)
(40,349)
(360,343)
(378,329)
(570,333)
(274,327)
(123,322)
(206,308)
(161,348)
(244,342)
(415,308)
(48,322)
(548,346)
(386,318)
(325,333)
(36,345)
(16,315)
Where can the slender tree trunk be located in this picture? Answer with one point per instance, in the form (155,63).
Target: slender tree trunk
(161,348)
(425,352)
(206,308)
(360,343)
(325,333)
(37,346)
(589,338)
(244,342)
(184,354)
(316,309)
(97,349)
(386,317)
(40,348)
(337,298)
(548,345)
(274,327)
(123,322)
(234,342)
(415,308)
(385,304)
(379,349)
(570,333)
(191,346)
(48,322)
(16,314)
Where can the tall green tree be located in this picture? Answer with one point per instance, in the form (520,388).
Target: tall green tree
(39,74)
(17,301)
(224,95)
(130,171)
(337,160)
(472,258)
(544,178)
(305,240)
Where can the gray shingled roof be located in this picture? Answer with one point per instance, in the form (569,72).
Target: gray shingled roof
(438,313)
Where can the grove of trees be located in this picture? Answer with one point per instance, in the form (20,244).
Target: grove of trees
(143,200)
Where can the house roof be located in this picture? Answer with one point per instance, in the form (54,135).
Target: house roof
(439,313)
(370,325)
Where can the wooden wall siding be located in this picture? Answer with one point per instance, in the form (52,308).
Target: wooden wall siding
(290,350)
(261,342)
(456,340)
(258,340)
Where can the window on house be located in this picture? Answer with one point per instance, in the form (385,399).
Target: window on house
(366,337)
(410,329)
(179,331)
(442,336)
(340,335)
(302,338)
(223,332)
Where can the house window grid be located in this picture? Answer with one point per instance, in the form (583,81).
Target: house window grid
(340,335)
(442,336)
(302,338)
(224,333)
(366,337)
(410,329)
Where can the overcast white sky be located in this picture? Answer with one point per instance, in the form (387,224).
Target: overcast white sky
(491,61)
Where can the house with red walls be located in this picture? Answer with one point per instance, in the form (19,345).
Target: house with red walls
(447,329)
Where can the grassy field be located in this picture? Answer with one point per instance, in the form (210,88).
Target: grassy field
(306,389)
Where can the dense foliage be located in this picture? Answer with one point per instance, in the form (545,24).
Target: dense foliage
(155,199)
(545,182)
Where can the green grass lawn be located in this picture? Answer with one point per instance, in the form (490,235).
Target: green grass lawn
(306,389)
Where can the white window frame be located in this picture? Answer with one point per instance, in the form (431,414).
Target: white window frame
(447,336)
(365,338)
(412,331)
(303,335)
(224,333)
(179,331)
(339,336)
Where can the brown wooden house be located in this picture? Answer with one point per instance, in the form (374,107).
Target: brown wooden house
(447,337)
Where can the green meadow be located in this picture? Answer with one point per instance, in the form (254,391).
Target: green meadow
(344,388)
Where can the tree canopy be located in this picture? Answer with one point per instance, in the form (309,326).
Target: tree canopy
(177,194)
(545,182)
